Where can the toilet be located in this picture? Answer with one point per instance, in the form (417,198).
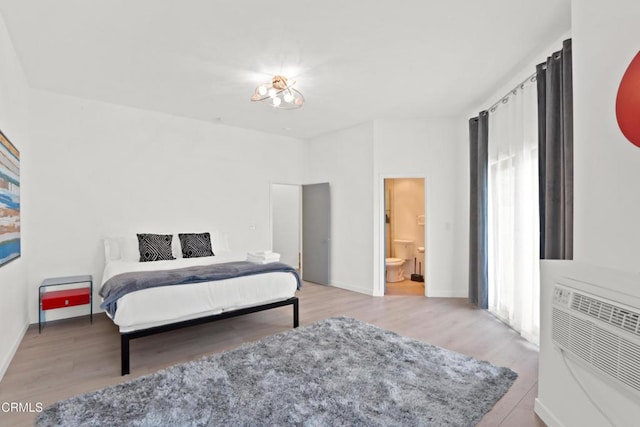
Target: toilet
(403,251)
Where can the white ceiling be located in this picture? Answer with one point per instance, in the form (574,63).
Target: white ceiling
(354,60)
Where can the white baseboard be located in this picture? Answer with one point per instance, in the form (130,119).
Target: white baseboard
(352,288)
(446,293)
(14,348)
(546,415)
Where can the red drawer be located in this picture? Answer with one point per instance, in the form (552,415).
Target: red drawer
(66,298)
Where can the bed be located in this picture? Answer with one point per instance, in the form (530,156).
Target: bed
(156,309)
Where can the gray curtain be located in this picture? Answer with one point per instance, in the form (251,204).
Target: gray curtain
(555,151)
(478,237)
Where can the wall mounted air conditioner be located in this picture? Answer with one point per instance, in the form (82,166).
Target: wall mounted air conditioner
(602,334)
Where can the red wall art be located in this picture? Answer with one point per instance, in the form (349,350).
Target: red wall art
(628,102)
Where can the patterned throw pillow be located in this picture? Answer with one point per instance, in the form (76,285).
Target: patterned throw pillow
(195,245)
(155,247)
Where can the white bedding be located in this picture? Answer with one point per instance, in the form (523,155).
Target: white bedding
(169,304)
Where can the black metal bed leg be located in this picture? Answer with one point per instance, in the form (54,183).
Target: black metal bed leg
(126,337)
(124,353)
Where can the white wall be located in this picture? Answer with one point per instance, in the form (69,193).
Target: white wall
(102,169)
(344,159)
(14,124)
(607,170)
(461,233)
(355,161)
(421,149)
(607,200)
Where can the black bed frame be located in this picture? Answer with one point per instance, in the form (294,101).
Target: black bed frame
(127,336)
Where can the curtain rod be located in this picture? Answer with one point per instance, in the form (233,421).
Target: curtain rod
(505,98)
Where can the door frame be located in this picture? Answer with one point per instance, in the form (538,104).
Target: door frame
(381,282)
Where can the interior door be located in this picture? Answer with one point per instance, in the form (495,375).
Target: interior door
(316,241)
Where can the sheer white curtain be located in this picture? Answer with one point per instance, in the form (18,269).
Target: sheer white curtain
(514,280)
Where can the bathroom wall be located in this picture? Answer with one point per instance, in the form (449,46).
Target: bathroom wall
(406,206)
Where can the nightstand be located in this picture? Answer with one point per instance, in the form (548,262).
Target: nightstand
(70,296)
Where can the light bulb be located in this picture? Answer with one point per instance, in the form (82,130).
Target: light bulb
(276,102)
(272,93)
(288,97)
(262,90)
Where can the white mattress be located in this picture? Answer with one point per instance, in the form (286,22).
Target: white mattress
(169,304)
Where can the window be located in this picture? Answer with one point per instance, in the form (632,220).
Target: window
(513,229)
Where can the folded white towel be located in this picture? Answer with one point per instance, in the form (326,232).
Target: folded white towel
(263,259)
(261,253)
(270,255)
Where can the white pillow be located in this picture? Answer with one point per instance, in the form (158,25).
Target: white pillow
(111,249)
(121,248)
(219,242)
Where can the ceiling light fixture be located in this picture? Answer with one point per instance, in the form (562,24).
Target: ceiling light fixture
(279,94)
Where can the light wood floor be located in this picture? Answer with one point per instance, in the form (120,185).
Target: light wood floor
(71,357)
(406,287)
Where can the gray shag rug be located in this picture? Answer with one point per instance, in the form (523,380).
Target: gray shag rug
(336,372)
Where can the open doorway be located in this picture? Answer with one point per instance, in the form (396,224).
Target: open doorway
(286,223)
(300,228)
(404,236)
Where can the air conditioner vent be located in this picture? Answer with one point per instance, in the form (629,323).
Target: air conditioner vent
(606,312)
(603,334)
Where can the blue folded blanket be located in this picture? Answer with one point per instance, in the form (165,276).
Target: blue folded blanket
(121,284)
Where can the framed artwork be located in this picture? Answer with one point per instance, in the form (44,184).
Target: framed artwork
(9,201)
